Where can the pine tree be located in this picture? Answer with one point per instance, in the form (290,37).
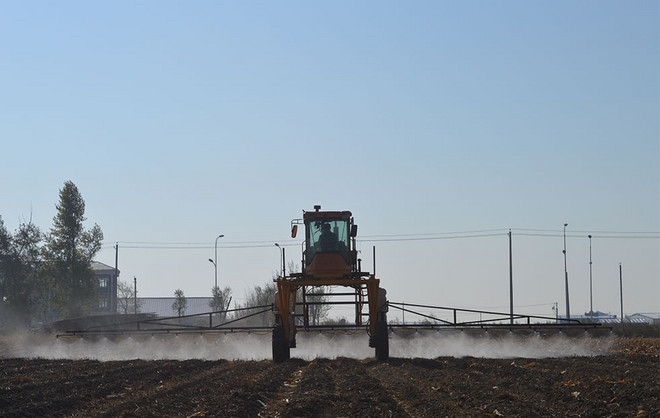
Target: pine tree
(69,252)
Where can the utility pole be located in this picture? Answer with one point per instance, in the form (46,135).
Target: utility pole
(591,285)
(510,278)
(621,290)
(568,304)
(113,287)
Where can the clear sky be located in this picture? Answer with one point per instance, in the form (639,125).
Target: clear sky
(180,121)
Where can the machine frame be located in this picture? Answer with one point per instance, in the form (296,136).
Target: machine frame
(333,267)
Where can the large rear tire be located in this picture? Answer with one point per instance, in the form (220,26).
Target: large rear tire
(382,342)
(281,349)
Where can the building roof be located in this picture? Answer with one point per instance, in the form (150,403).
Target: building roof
(163,306)
(98,266)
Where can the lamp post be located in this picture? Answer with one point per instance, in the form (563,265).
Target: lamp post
(283,262)
(215,260)
(135,293)
(568,307)
(591,294)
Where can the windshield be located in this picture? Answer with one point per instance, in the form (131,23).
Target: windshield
(327,236)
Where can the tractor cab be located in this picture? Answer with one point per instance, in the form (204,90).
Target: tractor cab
(329,243)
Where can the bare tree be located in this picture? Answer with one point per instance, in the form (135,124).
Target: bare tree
(220,302)
(255,301)
(180,302)
(221,298)
(317,310)
(126,301)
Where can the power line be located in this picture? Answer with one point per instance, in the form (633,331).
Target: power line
(428,238)
(431,236)
(153,245)
(586,232)
(479,231)
(595,235)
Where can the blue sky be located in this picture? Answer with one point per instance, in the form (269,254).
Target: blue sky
(182,121)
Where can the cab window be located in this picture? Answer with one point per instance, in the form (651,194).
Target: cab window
(328,236)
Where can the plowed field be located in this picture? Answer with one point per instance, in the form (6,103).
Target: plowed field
(622,383)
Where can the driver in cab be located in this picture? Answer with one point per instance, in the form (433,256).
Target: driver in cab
(328,239)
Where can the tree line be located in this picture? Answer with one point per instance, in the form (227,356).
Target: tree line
(45,276)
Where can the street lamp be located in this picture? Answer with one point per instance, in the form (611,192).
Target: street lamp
(135,293)
(215,260)
(568,307)
(283,262)
(591,295)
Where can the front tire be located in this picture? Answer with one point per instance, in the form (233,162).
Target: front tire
(281,349)
(382,342)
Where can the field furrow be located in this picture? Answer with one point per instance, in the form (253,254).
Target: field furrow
(623,383)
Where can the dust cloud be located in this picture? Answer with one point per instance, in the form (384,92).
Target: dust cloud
(257,346)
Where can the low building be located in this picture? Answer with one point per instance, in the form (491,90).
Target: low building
(648,318)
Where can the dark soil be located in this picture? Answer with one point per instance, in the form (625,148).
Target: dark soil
(624,383)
